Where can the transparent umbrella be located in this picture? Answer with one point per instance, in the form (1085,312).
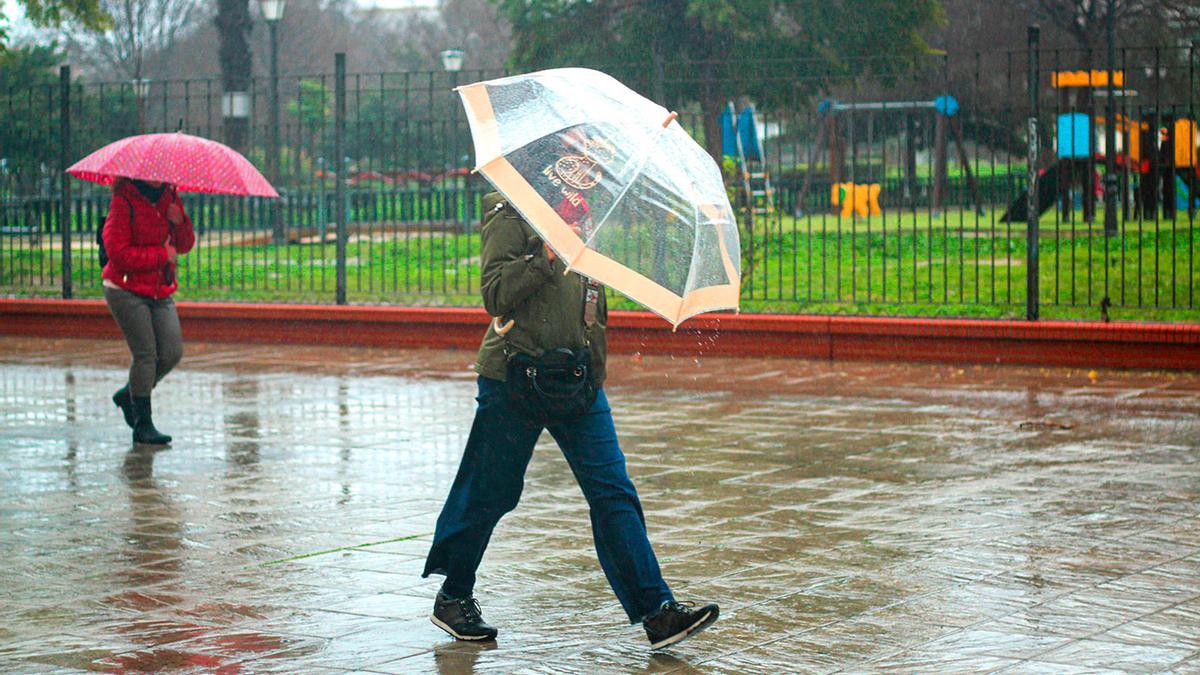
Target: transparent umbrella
(613,184)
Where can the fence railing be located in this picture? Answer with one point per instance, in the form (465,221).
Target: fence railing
(951,234)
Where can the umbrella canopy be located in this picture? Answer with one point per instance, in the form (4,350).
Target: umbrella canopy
(613,184)
(190,163)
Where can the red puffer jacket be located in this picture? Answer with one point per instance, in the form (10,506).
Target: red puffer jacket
(136,247)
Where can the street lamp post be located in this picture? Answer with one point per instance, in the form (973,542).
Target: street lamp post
(452,62)
(272,12)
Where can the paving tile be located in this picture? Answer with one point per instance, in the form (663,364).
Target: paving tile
(849,517)
(1099,653)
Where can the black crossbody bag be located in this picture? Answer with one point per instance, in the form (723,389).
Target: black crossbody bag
(557,386)
(560,384)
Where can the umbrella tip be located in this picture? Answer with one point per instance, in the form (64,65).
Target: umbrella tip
(670,118)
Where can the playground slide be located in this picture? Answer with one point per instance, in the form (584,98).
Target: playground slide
(1047,186)
(1181,195)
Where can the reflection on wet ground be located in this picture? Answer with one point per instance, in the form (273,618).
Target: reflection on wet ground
(846,516)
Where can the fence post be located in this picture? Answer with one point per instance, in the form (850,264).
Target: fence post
(1110,132)
(64,160)
(1032,214)
(339,163)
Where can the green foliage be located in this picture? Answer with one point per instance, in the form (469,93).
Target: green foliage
(29,66)
(31,98)
(50,13)
(28,89)
(312,106)
(774,50)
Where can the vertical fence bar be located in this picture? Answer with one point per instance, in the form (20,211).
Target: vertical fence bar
(1031,225)
(1110,134)
(64,157)
(339,166)
(276,214)
(1158,171)
(1192,181)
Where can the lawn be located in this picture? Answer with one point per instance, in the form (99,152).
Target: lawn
(906,264)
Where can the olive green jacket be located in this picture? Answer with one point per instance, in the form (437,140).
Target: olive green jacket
(518,282)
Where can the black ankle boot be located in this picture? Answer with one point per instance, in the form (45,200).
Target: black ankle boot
(125,403)
(143,425)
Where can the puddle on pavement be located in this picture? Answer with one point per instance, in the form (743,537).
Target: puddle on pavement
(846,516)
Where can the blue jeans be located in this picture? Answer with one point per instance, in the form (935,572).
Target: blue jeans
(489,482)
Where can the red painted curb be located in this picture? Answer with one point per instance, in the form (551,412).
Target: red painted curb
(1061,343)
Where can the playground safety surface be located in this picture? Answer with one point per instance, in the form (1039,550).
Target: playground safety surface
(847,516)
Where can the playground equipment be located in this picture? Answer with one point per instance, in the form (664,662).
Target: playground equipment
(1156,156)
(856,198)
(945,110)
(740,140)
(1076,147)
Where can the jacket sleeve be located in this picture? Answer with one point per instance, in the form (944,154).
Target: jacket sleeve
(511,269)
(185,236)
(118,241)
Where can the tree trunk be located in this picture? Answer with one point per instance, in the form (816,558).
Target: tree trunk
(233,28)
(711,105)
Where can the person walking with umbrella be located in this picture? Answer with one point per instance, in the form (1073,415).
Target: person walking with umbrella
(146,231)
(553,314)
(143,236)
(589,174)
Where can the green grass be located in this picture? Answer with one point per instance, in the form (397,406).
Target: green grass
(1151,275)
(900,264)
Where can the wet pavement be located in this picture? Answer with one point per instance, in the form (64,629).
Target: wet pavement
(848,517)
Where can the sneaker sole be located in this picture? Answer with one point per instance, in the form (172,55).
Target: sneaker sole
(704,622)
(437,622)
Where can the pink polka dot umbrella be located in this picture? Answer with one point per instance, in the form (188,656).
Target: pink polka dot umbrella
(190,163)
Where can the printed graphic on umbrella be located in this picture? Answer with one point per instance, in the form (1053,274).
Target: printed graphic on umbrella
(190,163)
(613,184)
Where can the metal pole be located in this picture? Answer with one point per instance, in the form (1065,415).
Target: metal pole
(141,105)
(1031,225)
(894,106)
(339,166)
(277,234)
(64,160)
(1110,131)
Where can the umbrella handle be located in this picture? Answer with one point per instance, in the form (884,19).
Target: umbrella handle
(501,329)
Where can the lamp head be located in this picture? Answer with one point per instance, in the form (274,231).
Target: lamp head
(272,10)
(452,60)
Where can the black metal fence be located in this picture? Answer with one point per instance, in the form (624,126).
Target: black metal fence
(886,194)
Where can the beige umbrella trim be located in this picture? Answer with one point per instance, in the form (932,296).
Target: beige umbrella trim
(569,246)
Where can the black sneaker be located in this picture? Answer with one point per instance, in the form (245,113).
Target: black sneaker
(461,618)
(677,621)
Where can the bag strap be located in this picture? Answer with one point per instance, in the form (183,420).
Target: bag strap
(591,299)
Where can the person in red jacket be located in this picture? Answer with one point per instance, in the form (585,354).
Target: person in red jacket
(145,232)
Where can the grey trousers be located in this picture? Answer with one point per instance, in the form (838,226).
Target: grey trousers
(151,329)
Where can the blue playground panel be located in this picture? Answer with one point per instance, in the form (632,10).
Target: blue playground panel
(748,128)
(946,105)
(1074,136)
(728,143)
(1181,195)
